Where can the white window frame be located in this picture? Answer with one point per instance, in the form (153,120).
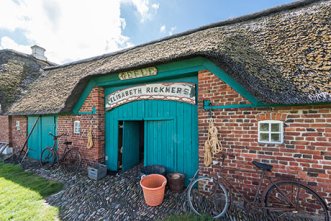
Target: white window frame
(76,127)
(280,132)
(18,125)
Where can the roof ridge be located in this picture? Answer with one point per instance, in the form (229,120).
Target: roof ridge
(28,56)
(252,16)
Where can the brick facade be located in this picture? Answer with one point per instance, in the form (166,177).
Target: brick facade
(4,129)
(65,124)
(305,153)
(18,136)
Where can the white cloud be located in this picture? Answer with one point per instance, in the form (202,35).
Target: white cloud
(172,30)
(145,8)
(162,28)
(156,6)
(6,42)
(68,30)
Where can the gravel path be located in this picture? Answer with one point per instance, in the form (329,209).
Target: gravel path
(116,197)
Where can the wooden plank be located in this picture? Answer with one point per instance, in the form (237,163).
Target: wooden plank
(3,146)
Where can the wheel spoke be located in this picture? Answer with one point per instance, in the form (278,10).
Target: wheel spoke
(71,161)
(294,201)
(207,197)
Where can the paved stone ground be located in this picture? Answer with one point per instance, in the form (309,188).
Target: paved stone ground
(116,197)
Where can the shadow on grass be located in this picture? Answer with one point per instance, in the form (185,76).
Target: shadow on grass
(22,195)
(29,180)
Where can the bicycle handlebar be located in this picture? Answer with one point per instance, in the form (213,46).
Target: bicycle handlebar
(57,136)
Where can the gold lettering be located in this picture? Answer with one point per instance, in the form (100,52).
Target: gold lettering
(137,73)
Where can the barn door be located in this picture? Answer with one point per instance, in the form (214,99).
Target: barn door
(40,137)
(48,126)
(130,149)
(34,142)
(160,140)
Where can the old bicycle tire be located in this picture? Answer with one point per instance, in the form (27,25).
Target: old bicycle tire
(71,161)
(309,205)
(47,157)
(212,201)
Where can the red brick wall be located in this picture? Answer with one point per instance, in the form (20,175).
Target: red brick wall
(66,125)
(305,154)
(18,136)
(4,129)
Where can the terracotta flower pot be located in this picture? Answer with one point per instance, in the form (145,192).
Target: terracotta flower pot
(153,187)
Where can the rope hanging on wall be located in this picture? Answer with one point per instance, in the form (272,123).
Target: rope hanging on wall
(89,138)
(212,144)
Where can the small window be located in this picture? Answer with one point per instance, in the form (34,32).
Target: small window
(18,127)
(76,127)
(271,131)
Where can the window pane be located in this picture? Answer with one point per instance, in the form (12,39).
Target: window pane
(264,127)
(264,137)
(275,127)
(275,137)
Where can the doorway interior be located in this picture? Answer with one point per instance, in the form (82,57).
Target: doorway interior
(130,144)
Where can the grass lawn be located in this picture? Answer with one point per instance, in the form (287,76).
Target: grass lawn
(22,195)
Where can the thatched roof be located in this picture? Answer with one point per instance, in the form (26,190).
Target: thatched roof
(17,72)
(281,56)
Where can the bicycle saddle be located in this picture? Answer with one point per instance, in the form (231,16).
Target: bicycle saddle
(67,143)
(262,166)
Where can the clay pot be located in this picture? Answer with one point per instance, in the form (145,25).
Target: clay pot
(176,182)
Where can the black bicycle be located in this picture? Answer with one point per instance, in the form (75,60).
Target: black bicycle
(281,199)
(70,159)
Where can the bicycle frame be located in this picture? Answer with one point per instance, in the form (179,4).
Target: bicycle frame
(55,149)
(261,197)
(255,203)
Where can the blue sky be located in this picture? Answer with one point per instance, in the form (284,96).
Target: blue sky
(182,15)
(69,32)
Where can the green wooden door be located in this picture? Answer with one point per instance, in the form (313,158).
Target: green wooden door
(48,125)
(34,141)
(40,137)
(160,143)
(170,132)
(130,150)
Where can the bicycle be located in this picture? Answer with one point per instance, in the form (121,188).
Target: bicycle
(281,199)
(70,159)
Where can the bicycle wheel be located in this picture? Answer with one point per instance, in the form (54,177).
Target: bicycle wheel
(47,157)
(71,160)
(207,197)
(291,200)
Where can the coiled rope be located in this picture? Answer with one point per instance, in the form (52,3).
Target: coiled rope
(212,144)
(89,138)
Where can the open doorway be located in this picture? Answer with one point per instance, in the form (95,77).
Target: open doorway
(130,144)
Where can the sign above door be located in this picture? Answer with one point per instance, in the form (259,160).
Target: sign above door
(182,92)
(137,73)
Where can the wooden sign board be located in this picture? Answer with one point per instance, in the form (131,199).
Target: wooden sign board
(182,92)
(138,73)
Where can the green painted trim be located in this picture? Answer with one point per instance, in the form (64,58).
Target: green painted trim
(166,71)
(210,66)
(207,105)
(83,96)
(93,111)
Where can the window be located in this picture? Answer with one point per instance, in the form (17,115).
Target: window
(18,127)
(270,131)
(77,127)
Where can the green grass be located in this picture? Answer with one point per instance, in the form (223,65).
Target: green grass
(188,217)
(22,195)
